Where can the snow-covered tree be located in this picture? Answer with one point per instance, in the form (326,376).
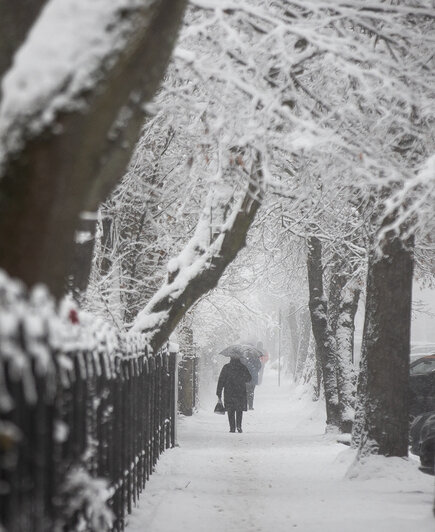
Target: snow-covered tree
(71,111)
(289,97)
(348,88)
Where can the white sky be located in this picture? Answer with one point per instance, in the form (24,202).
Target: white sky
(423,325)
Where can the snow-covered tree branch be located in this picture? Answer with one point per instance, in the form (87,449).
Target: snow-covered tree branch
(70,115)
(15,21)
(202,262)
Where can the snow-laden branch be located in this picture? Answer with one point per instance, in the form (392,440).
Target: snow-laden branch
(199,266)
(405,204)
(15,20)
(64,57)
(71,115)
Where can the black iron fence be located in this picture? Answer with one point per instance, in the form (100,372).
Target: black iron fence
(85,414)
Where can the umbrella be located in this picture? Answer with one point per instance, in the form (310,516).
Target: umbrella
(241,351)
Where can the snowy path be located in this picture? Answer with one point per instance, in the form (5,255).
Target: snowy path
(281,474)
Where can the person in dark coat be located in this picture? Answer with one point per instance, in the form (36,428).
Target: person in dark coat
(253,364)
(263,359)
(232,380)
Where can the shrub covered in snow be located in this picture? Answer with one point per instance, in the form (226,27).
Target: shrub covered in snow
(83,503)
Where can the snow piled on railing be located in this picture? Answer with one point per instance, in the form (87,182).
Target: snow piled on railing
(36,334)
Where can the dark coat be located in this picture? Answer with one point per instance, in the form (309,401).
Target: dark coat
(232,380)
(253,364)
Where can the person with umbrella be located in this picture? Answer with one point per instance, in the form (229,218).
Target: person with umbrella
(253,363)
(232,381)
(251,357)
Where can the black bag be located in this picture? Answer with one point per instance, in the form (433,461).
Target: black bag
(219,408)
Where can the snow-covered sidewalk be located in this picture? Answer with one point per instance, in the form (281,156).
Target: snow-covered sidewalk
(281,474)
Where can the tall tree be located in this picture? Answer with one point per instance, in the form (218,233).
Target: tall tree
(65,153)
(342,306)
(382,426)
(321,330)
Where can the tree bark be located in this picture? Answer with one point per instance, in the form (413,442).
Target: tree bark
(294,340)
(82,256)
(71,168)
(321,331)
(342,307)
(304,342)
(385,349)
(360,404)
(344,356)
(187,389)
(312,373)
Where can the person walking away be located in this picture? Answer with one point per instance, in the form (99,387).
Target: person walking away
(263,359)
(254,365)
(232,380)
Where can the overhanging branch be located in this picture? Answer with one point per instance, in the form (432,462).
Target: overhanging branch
(16,18)
(69,168)
(175,298)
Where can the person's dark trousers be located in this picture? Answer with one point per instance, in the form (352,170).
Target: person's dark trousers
(250,392)
(235,418)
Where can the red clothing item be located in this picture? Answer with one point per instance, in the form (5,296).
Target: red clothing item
(264,358)
(73,316)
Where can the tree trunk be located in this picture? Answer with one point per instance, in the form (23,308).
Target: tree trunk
(304,341)
(107,230)
(344,356)
(385,349)
(294,340)
(311,373)
(82,257)
(321,331)
(342,307)
(105,279)
(360,404)
(72,168)
(188,378)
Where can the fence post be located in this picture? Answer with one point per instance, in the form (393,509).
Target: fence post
(173,372)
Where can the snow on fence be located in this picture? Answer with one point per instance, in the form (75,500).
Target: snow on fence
(85,413)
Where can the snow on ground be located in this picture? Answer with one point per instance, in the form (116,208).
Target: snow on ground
(282,473)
